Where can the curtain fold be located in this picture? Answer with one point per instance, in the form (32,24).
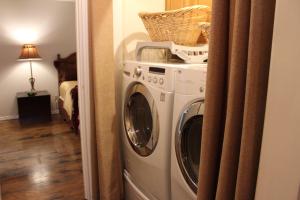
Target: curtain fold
(237,79)
(108,148)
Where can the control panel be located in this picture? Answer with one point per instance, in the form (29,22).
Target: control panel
(157,75)
(156,79)
(154,76)
(190,82)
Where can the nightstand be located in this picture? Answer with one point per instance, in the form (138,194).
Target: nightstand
(34,108)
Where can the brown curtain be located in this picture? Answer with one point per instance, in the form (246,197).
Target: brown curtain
(108,149)
(238,68)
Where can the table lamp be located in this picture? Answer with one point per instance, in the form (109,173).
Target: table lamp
(29,53)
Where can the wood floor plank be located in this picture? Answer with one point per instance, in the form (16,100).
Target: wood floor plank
(41,162)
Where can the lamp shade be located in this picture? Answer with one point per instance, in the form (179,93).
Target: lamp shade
(29,52)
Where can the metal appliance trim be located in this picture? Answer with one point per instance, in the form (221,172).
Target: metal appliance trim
(192,110)
(149,148)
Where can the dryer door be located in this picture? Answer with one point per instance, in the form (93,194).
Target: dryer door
(188,142)
(141,119)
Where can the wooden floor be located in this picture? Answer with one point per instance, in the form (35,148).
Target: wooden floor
(40,162)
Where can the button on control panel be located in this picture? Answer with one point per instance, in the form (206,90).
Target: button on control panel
(156,76)
(161,81)
(158,80)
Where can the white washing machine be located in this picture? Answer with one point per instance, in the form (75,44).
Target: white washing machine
(186,131)
(148,94)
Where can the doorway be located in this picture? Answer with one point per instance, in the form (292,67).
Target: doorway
(47,135)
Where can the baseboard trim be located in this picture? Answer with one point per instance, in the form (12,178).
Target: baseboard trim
(9,117)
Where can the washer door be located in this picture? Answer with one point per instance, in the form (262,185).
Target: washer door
(188,142)
(141,119)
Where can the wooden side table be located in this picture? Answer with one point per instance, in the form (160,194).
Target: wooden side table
(34,108)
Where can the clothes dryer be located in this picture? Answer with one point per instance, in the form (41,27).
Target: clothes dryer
(189,103)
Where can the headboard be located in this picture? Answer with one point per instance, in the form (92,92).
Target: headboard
(66,67)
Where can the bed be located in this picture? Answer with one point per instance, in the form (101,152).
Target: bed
(68,90)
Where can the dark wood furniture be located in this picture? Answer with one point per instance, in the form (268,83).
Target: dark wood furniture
(34,108)
(66,68)
(67,71)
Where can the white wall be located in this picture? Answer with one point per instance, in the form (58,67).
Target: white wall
(279,170)
(50,25)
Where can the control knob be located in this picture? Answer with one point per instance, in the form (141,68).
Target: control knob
(138,71)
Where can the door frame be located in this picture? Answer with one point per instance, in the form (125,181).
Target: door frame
(86,105)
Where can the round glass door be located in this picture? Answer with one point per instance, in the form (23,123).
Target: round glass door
(188,142)
(141,120)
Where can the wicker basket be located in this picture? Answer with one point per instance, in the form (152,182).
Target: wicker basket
(181,26)
(204,35)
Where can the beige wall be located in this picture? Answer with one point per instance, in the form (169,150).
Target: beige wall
(50,25)
(279,171)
